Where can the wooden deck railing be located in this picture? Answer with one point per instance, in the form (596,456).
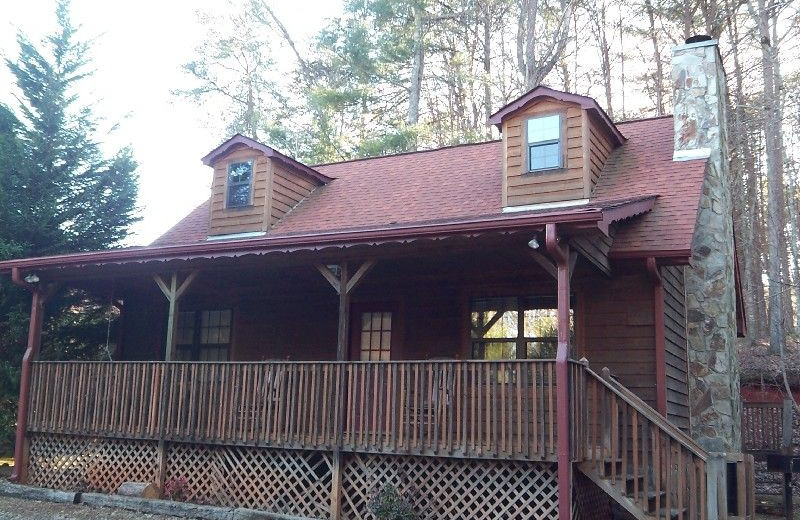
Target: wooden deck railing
(503,409)
(767,427)
(646,459)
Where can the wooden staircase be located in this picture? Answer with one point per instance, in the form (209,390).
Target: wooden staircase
(647,465)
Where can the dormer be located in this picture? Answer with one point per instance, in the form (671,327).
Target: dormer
(254,186)
(554,147)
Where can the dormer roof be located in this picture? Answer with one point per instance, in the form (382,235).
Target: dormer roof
(268,151)
(585,102)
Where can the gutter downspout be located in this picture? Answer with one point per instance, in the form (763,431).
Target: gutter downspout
(660,340)
(560,254)
(19,474)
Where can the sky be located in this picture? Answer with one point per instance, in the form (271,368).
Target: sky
(138,50)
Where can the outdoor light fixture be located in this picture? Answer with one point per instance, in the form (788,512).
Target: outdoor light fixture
(534,243)
(32,278)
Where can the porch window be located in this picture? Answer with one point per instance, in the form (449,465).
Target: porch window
(515,328)
(376,336)
(544,142)
(203,335)
(240,182)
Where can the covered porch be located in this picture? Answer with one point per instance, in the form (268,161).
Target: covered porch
(300,380)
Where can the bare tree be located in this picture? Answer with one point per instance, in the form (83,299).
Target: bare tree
(764,14)
(542,35)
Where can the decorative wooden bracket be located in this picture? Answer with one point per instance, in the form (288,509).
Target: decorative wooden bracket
(550,267)
(351,282)
(173,293)
(344,284)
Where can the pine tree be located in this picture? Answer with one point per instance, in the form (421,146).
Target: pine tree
(59,193)
(73,197)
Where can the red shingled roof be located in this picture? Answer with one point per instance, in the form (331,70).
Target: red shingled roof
(460,182)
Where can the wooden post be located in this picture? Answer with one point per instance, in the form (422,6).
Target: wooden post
(344,285)
(716,487)
(660,339)
(336,486)
(560,254)
(344,315)
(786,448)
(788,425)
(173,293)
(20,472)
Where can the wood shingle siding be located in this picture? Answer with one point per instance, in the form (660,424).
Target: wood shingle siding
(585,148)
(225,221)
(675,336)
(276,190)
(521,187)
(288,190)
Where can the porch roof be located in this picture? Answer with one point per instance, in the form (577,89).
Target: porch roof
(597,215)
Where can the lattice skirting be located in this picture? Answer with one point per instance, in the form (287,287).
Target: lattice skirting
(298,483)
(90,464)
(291,482)
(456,489)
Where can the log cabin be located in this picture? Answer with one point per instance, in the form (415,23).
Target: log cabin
(540,326)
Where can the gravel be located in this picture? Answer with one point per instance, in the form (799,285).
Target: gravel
(23,509)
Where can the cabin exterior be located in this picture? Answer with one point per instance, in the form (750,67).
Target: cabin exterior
(537,327)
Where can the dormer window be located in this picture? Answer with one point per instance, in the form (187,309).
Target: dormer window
(544,142)
(240,182)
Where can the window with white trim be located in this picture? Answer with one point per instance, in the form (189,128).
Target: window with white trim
(544,142)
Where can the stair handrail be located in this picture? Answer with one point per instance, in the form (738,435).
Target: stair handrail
(649,412)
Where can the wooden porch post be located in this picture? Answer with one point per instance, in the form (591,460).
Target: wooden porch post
(173,293)
(660,340)
(343,285)
(560,253)
(20,472)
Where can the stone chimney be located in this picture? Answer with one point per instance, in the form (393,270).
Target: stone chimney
(699,101)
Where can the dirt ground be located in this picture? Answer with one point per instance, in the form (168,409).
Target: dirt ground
(772,507)
(20,509)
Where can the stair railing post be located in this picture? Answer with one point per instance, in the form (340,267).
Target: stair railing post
(716,487)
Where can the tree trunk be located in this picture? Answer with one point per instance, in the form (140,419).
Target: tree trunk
(772,128)
(658,80)
(417,67)
(487,64)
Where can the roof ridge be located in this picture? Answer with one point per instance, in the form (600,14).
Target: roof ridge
(411,152)
(649,118)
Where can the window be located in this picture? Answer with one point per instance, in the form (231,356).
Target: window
(515,328)
(544,142)
(203,335)
(376,336)
(240,181)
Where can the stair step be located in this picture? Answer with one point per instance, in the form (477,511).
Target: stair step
(673,512)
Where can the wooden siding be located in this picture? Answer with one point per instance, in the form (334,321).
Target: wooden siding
(225,221)
(276,190)
(618,330)
(598,148)
(521,187)
(288,190)
(675,336)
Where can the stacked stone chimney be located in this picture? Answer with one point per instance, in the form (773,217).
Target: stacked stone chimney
(699,113)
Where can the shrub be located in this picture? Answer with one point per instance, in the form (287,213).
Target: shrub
(176,489)
(390,504)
